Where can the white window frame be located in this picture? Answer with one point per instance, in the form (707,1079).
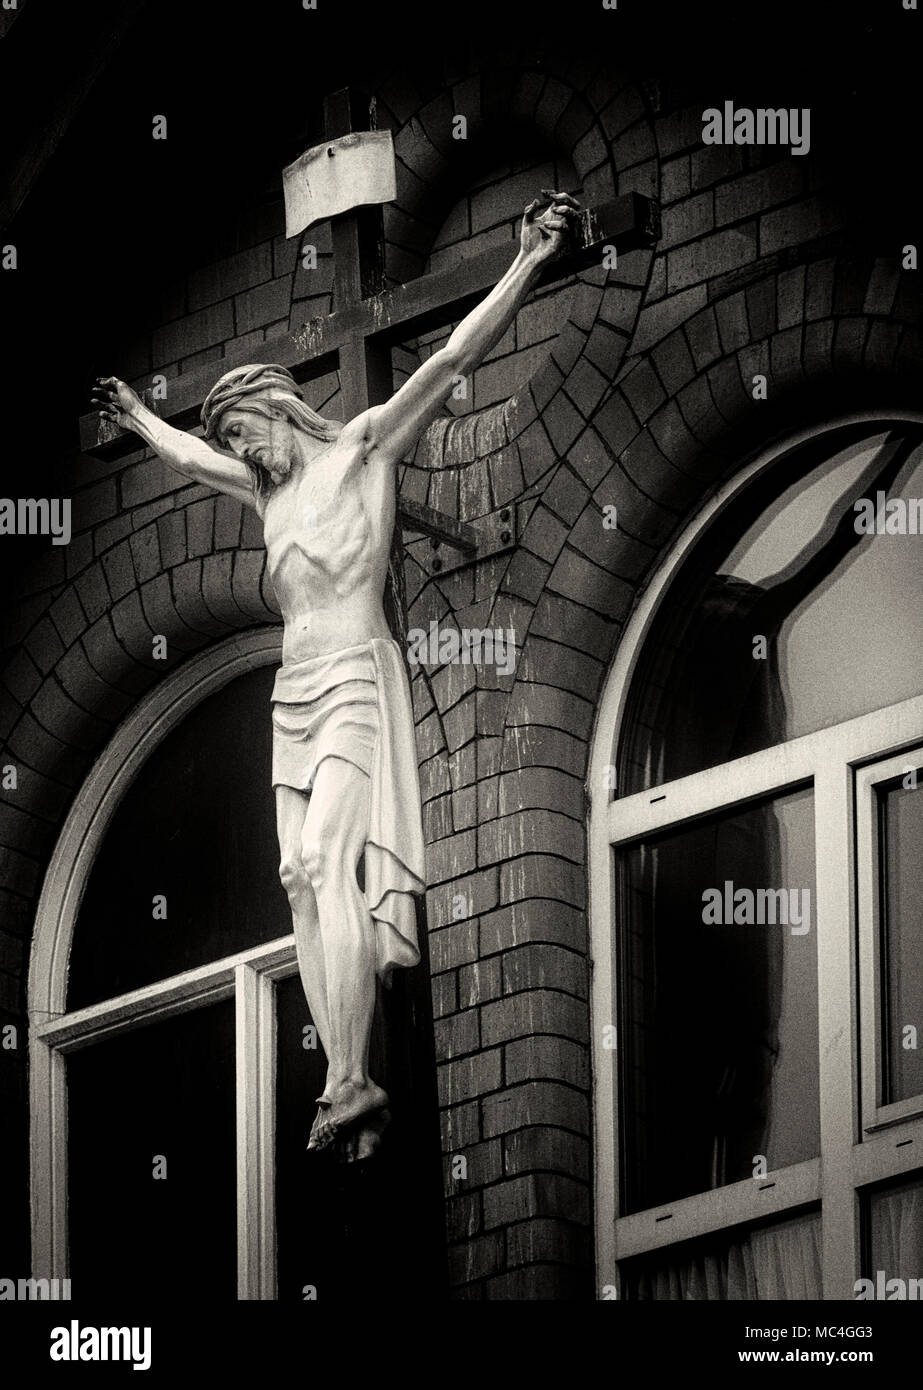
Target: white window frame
(827,761)
(248,976)
(875,1116)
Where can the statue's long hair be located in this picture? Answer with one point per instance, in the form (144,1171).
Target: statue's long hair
(268,390)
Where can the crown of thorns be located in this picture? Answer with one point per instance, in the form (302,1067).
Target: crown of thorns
(240,385)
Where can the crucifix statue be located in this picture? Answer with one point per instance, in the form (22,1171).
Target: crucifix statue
(343,765)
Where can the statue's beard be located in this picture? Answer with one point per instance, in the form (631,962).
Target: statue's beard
(276,465)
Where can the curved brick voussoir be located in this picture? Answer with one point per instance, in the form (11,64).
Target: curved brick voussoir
(568,346)
(658,476)
(413,145)
(157,602)
(58,712)
(67,716)
(249,568)
(88,688)
(586,352)
(218,591)
(684,449)
(109,658)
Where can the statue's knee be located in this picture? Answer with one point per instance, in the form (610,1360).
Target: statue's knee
(293,875)
(316,861)
(326,862)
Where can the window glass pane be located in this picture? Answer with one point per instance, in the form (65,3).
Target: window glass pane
(352,1230)
(839,611)
(718,1001)
(777,1261)
(166,1089)
(309,1227)
(894,1245)
(901,843)
(197,827)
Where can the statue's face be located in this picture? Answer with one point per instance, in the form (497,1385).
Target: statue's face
(269,442)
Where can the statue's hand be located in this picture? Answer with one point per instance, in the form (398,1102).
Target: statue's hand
(117,402)
(544,233)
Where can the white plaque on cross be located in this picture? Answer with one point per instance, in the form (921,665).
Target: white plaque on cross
(337,176)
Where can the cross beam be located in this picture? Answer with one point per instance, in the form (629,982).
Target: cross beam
(367,321)
(393,315)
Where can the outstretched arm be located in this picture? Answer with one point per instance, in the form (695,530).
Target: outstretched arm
(392,429)
(190,456)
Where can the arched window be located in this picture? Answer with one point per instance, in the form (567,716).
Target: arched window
(173,1060)
(756,918)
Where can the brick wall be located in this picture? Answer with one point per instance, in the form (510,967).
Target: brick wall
(489,213)
(630,387)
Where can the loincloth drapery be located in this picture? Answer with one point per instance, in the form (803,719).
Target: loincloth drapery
(355,704)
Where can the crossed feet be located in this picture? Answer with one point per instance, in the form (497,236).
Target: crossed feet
(353,1118)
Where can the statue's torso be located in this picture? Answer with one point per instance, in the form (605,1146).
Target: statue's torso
(328,539)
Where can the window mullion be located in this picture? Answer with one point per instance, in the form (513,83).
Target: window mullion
(835,972)
(878,1113)
(771,771)
(256,1085)
(48,1156)
(722,1209)
(206,984)
(896,1151)
(601,864)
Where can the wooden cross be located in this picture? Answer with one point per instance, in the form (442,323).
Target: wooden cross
(368,321)
(357,337)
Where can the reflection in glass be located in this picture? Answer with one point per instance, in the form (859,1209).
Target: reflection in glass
(894,1227)
(196,828)
(718,1019)
(309,1224)
(358,1230)
(841,612)
(777,1261)
(157,1099)
(900,812)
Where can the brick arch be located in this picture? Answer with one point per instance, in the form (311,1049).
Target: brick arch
(89,658)
(682,419)
(596,130)
(706,421)
(511,452)
(500,107)
(657,455)
(676,422)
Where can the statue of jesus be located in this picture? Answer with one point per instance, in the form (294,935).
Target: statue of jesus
(343,763)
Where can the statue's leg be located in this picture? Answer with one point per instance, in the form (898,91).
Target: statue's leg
(335,831)
(291,810)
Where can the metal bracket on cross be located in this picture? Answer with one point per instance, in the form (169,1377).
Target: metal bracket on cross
(467,541)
